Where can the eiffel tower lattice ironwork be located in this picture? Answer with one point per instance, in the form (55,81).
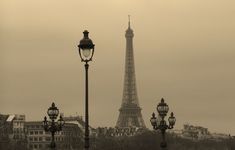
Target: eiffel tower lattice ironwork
(130,111)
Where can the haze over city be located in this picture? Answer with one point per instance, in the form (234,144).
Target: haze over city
(184,52)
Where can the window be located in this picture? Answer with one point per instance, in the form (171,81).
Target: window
(35,146)
(40,132)
(31,132)
(40,138)
(35,139)
(30,146)
(40,146)
(36,132)
(16,136)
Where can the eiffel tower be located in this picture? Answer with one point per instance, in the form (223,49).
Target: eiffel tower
(130,111)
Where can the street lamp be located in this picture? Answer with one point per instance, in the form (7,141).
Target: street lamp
(86,52)
(53,126)
(160,123)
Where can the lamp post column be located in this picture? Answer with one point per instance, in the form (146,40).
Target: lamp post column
(86,109)
(163,143)
(53,146)
(86,51)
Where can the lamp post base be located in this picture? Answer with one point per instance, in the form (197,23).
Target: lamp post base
(53,146)
(163,145)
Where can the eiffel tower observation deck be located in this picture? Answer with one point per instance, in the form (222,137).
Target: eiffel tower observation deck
(130,111)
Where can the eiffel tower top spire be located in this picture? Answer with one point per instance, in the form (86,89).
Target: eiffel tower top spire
(129,31)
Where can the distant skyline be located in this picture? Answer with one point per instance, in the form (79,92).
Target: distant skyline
(184,52)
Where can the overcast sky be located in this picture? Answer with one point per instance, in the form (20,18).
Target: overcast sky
(184,51)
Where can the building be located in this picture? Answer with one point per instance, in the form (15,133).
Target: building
(18,126)
(12,134)
(115,132)
(38,139)
(195,132)
(130,111)
(5,130)
(220,136)
(78,120)
(13,126)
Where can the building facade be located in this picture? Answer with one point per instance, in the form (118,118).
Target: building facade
(38,139)
(18,127)
(195,132)
(13,125)
(116,132)
(78,120)
(5,130)
(12,133)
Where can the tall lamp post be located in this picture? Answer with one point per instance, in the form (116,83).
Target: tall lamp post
(86,52)
(53,126)
(160,123)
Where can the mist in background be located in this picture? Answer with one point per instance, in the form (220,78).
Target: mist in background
(184,52)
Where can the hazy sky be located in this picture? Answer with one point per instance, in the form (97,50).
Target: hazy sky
(184,51)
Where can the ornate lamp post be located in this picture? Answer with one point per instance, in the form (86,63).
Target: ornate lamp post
(160,123)
(53,126)
(86,52)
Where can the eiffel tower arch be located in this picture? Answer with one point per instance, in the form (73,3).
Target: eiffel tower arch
(130,111)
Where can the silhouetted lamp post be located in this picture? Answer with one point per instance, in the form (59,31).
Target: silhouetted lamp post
(53,126)
(160,123)
(86,52)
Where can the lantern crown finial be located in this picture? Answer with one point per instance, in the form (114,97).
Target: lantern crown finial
(153,115)
(85,33)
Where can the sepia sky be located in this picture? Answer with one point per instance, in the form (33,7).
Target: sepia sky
(184,51)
